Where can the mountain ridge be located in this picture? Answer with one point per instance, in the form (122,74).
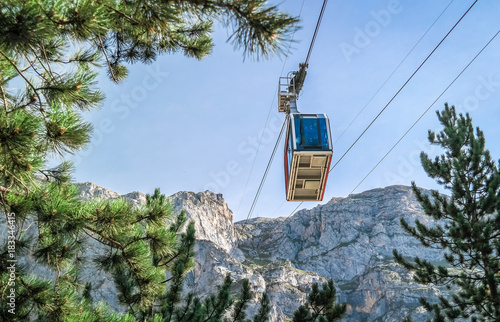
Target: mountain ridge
(349,240)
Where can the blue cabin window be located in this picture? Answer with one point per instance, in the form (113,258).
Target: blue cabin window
(311,132)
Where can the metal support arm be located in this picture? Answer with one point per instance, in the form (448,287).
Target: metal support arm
(289,89)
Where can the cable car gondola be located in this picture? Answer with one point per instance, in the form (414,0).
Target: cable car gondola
(308,147)
(308,153)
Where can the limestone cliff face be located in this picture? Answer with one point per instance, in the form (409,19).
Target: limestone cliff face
(212,216)
(349,240)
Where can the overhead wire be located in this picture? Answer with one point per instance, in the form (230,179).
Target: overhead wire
(402,87)
(260,140)
(269,112)
(383,109)
(387,79)
(282,223)
(318,23)
(425,112)
(311,46)
(393,72)
(263,178)
(269,163)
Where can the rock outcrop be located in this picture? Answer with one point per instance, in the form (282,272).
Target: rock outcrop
(349,240)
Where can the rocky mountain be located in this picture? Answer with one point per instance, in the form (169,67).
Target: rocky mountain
(349,240)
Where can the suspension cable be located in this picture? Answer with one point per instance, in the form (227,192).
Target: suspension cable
(269,112)
(283,222)
(300,75)
(318,23)
(427,110)
(388,78)
(311,46)
(393,72)
(264,177)
(400,89)
(267,170)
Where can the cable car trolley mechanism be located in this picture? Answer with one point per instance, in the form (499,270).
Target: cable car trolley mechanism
(308,143)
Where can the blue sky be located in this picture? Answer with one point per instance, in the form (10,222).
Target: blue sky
(182,124)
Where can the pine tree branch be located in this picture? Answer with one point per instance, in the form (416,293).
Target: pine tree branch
(110,240)
(107,60)
(139,6)
(170,259)
(167,280)
(3,189)
(48,16)
(4,290)
(33,67)
(20,107)
(57,278)
(471,255)
(136,239)
(240,306)
(98,240)
(124,15)
(468,304)
(46,58)
(219,301)
(214,309)
(26,80)
(47,69)
(317,312)
(4,100)
(113,242)
(16,178)
(457,276)
(132,266)
(69,61)
(491,284)
(186,308)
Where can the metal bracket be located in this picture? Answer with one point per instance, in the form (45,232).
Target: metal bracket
(289,88)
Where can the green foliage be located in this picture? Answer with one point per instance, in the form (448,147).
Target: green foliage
(50,53)
(320,305)
(215,307)
(65,226)
(467,223)
(264,310)
(241,303)
(146,261)
(53,48)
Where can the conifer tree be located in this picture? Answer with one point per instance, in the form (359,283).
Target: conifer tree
(52,49)
(467,223)
(50,54)
(238,314)
(264,310)
(320,305)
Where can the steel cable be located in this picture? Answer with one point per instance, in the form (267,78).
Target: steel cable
(402,87)
(283,222)
(425,112)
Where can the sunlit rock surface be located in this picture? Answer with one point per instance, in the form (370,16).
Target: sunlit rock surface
(349,240)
